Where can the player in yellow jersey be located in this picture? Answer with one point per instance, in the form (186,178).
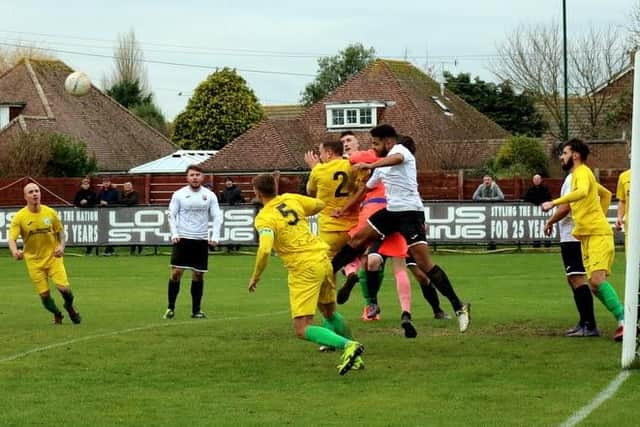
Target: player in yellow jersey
(43,237)
(333,182)
(282,226)
(589,202)
(622,193)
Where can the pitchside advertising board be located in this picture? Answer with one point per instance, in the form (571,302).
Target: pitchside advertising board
(447,222)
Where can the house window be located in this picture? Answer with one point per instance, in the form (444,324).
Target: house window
(4,116)
(337,118)
(352,115)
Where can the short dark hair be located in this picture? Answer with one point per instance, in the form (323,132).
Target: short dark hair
(265,183)
(335,146)
(384,131)
(228,178)
(195,168)
(579,146)
(346,133)
(408,142)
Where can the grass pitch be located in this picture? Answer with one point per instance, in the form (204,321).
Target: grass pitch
(125,366)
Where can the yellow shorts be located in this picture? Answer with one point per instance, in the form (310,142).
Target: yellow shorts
(54,270)
(597,253)
(309,285)
(335,239)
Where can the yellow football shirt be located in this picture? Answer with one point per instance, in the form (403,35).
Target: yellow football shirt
(39,233)
(624,187)
(333,182)
(285,218)
(588,201)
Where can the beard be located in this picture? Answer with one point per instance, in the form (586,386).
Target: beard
(567,166)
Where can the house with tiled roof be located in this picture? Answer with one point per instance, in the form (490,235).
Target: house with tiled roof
(33,99)
(449,133)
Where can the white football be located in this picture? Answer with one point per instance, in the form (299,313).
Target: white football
(77,83)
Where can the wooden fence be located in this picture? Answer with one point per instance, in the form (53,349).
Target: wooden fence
(157,189)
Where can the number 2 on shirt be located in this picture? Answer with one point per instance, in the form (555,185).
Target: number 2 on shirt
(344,179)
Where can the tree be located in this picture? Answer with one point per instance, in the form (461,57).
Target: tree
(46,154)
(152,115)
(335,70)
(532,60)
(514,112)
(520,156)
(221,108)
(128,93)
(634,26)
(129,63)
(9,57)
(128,83)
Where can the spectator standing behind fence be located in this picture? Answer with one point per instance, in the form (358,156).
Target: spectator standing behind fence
(538,193)
(488,191)
(108,195)
(129,197)
(85,198)
(231,195)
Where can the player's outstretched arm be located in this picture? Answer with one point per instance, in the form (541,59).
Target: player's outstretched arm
(262,256)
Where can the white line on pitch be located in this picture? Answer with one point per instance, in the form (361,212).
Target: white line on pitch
(126,331)
(602,397)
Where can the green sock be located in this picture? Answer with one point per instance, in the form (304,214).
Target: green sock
(328,325)
(362,279)
(324,336)
(339,325)
(68,298)
(50,305)
(608,296)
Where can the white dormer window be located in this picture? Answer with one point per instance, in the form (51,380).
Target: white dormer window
(354,114)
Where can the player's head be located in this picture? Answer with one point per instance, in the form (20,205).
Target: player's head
(537,179)
(264,185)
(330,149)
(408,142)
(384,137)
(32,194)
(194,176)
(349,142)
(574,152)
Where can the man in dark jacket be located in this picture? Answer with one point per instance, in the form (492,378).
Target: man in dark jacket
(231,194)
(85,198)
(129,197)
(107,196)
(538,193)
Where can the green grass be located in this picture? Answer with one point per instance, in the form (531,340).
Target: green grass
(125,366)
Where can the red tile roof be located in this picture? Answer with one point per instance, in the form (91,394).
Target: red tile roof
(119,139)
(281,143)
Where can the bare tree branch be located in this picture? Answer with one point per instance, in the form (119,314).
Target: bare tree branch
(532,59)
(129,63)
(11,56)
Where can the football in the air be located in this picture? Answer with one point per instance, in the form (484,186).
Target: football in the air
(77,83)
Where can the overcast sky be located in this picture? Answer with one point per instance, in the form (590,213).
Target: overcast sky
(275,45)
